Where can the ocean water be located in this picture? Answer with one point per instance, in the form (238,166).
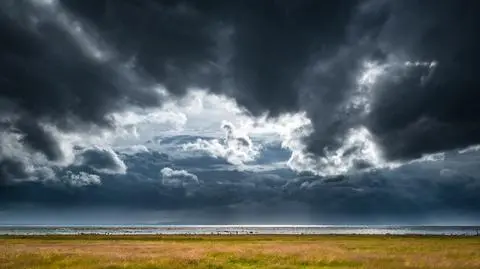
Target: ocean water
(240,229)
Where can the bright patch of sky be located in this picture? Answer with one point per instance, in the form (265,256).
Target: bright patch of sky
(216,125)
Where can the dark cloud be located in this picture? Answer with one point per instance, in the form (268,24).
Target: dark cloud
(280,56)
(39,139)
(284,56)
(411,117)
(173,41)
(414,193)
(274,43)
(52,78)
(11,168)
(103,160)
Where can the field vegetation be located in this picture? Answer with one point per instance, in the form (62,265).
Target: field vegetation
(238,251)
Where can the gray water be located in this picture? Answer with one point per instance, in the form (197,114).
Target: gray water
(240,229)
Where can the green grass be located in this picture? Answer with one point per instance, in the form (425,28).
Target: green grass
(238,251)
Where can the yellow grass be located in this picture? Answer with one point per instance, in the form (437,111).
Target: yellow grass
(228,251)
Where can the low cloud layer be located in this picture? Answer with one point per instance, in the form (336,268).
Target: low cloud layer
(432,192)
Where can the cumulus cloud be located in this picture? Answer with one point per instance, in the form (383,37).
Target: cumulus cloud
(103,160)
(357,152)
(81,179)
(236,148)
(177,178)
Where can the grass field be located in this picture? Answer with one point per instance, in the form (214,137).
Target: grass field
(247,251)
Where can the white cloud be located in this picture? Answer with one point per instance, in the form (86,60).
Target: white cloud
(434,157)
(372,72)
(177,178)
(133,149)
(103,160)
(358,150)
(138,126)
(236,147)
(200,113)
(81,179)
(469,149)
(256,168)
(76,149)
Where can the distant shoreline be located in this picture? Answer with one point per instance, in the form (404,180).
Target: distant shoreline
(241,230)
(193,237)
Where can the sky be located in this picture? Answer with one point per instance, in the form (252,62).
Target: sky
(239,112)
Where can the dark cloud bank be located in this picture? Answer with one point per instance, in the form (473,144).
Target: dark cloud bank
(72,63)
(439,192)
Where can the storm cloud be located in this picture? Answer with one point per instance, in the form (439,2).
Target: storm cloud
(71,64)
(405,195)
(367,85)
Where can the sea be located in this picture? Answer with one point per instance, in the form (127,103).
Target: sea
(240,229)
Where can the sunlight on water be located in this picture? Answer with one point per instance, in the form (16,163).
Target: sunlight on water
(240,229)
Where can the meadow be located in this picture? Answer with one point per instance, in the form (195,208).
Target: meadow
(238,251)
